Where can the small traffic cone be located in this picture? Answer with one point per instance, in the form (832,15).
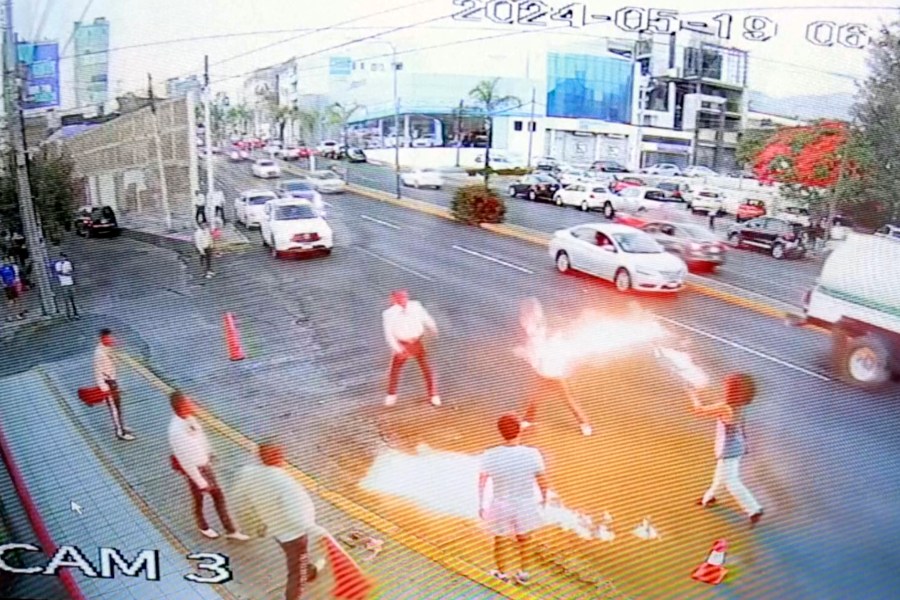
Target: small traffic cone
(646,530)
(350,583)
(233,339)
(713,571)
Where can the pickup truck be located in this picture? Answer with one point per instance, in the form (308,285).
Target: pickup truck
(857,298)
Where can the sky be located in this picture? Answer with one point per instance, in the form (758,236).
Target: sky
(169,38)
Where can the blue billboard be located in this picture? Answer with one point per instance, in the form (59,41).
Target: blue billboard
(581,86)
(41,70)
(340,65)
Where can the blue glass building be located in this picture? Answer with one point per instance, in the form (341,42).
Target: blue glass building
(581,86)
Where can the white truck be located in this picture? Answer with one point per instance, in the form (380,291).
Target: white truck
(857,297)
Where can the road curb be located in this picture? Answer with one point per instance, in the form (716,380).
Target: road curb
(436,554)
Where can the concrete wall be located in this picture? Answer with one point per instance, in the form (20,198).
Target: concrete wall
(118,162)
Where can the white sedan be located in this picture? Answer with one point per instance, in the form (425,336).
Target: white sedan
(630,258)
(595,196)
(664,169)
(266,169)
(423,178)
(327,182)
(250,206)
(705,200)
(650,198)
(293,226)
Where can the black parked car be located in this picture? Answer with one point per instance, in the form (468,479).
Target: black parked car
(780,238)
(608,166)
(535,187)
(93,221)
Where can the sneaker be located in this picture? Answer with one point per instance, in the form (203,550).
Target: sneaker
(125,437)
(210,533)
(755,517)
(523,578)
(390,400)
(436,400)
(237,536)
(208,276)
(127,429)
(314,570)
(499,575)
(586,430)
(708,504)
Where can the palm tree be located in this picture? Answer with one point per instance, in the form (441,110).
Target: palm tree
(340,115)
(239,116)
(488,102)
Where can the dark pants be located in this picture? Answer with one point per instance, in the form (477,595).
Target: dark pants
(200,215)
(299,569)
(206,260)
(414,349)
(220,212)
(114,402)
(218,500)
(68,296)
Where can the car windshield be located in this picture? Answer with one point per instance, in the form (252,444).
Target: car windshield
(544,179)
(294,212)
(325,175)
(298,186)
(699,233)
(708,195)
(265,163)
(258,200)
(637,243)
(655,195)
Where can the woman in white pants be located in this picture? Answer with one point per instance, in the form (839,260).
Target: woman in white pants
(731,443)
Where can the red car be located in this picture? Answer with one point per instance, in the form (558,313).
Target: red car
(621,183)
(304,152)
(625,219)
(751,209)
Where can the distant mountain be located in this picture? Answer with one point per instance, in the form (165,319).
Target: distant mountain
(824,106)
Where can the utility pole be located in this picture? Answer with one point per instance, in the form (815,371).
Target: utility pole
(15,123)
(531,126)
(207,131)
(396,67)
(163,184)
(459,114)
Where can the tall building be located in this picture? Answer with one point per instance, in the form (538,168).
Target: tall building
(91,62)
(179,87)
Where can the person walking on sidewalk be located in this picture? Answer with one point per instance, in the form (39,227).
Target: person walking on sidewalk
(105,378)
(731,443)
(271,502)
(64,273)
(203,241)
(192,457)
(405,324)
(12,288)
(217,200)
(514,512)
(199,207)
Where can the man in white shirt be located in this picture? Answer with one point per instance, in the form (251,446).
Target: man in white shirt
(217,199)
(271,502)
(405,324)
(105,379)
(64,273)
(203,241)
(199,207)
(192,457)
(514,511)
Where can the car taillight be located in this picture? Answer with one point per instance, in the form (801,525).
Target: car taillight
(306,237)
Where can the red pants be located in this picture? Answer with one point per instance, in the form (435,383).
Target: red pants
(414,349)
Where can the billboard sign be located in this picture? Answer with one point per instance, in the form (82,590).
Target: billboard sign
(41,72)
(340,65)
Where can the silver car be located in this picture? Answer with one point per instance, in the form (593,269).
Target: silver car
(700,248)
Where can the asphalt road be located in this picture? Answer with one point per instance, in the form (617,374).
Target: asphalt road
(785,281)
(823,455)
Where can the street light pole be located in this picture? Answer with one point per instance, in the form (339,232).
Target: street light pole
(459,115)
(395,66)
(531,127)
(160,165)
(207,131)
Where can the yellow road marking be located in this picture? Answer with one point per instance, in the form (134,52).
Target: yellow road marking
(392,530)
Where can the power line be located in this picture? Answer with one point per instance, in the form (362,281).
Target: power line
(87,7)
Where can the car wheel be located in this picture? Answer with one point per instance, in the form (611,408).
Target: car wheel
(416,184)
(511,191)
(778,251)
(608,211)
(563,264)
(623,280)
(437,187)
(865,361)
(584,206)
(327,251)
(558,201)
(531,195)
(735,239)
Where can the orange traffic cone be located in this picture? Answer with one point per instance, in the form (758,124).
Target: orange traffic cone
(233,339)
(713,571)
(350,583)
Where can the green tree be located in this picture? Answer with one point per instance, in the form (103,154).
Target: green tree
(54,189)
(238,117)
(309,121)
(751,143)
(877,112)
(340,115)
(489,102)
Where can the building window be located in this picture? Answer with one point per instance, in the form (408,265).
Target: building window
(532,126)
(517,125)
(581,86)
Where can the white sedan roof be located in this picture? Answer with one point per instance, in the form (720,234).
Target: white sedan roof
(608,228)
(290,202)
(257,193)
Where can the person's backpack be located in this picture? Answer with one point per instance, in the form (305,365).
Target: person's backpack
(7,275)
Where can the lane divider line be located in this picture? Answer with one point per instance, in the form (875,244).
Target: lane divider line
(119,478)
(394,264)
(746,349)
(494,260)
(419,545)
(379,221)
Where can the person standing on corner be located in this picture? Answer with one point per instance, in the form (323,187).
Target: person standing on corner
(64,273)
(405,324)
(12,287)
(199,207)
(192,457)
(203,241)
(271,502)
(514,512)
(731,443)
(105,377)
